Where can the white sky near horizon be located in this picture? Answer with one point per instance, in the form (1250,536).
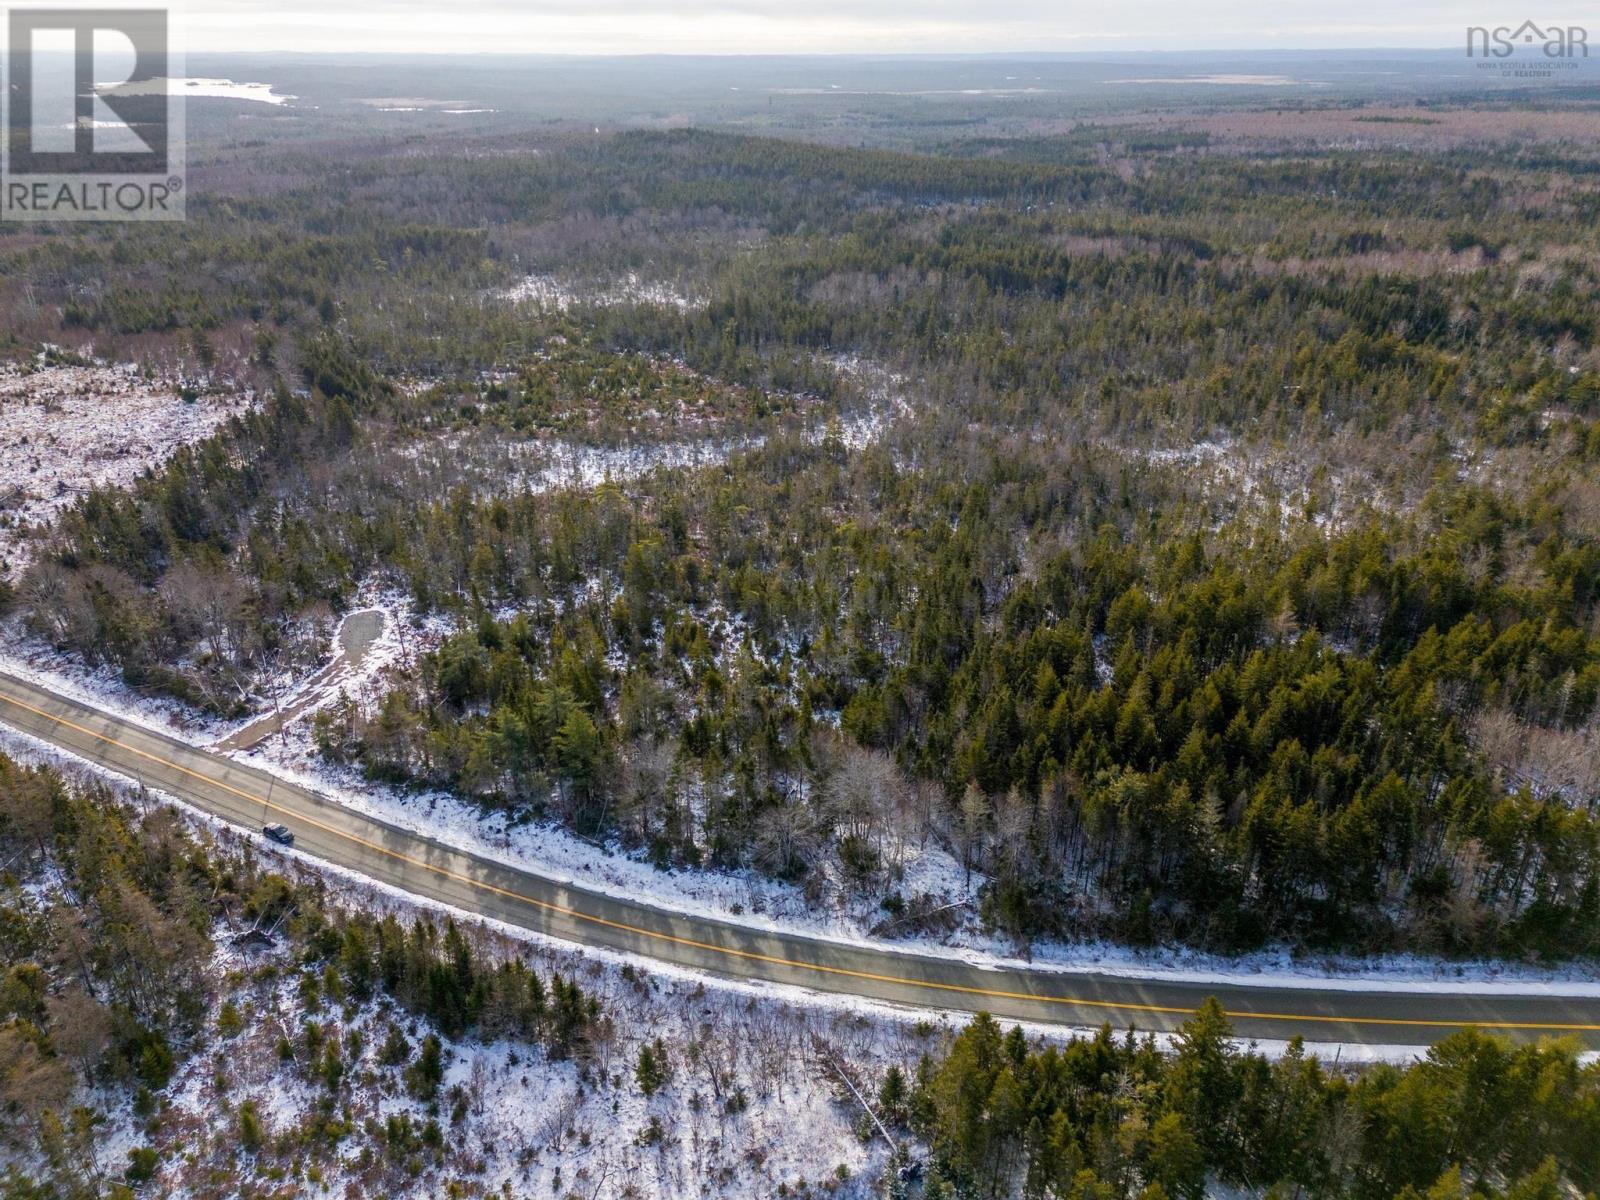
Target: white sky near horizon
(837,26)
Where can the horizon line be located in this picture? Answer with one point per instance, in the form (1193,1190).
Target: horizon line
(913,55)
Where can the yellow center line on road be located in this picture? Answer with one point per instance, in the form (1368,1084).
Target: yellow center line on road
(756,956)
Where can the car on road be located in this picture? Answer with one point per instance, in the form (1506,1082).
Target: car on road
(279,834)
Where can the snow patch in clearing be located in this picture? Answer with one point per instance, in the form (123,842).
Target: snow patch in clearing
(558,295)
(571,466)
(67,429)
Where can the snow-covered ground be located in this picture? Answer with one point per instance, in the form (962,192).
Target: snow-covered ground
(552,465)
(558,295)
(499,467)
(886,393)
(1334,483)
(548,465)
(200,88)
(569,465)
(67,429)
(721,1041)
(29,658)
(1245,477)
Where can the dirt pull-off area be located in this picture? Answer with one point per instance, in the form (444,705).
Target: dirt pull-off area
(356,636)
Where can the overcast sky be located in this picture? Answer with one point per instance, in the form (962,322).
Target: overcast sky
(836,26)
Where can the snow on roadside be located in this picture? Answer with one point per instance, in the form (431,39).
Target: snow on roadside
(535,1121)
(67,429)
(746,896)
(379,898)
(31,659)
(382,897)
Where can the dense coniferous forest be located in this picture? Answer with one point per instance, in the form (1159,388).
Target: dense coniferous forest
(1114,1117)
(1196,540)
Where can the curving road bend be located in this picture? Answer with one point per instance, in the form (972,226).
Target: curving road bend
(251,798)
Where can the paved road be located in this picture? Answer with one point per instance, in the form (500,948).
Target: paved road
(251,798)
